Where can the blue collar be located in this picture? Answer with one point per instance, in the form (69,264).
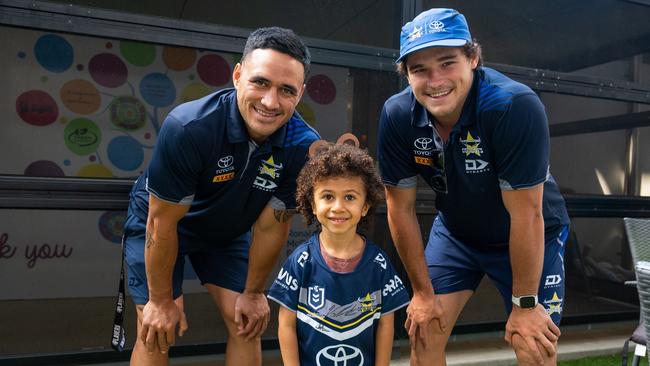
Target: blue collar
(236,127)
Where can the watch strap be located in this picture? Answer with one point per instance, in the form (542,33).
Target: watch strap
(526,301)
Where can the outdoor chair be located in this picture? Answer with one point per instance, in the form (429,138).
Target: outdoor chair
(638,236)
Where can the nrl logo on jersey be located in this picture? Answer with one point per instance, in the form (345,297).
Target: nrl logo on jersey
(268,172)
(316,297)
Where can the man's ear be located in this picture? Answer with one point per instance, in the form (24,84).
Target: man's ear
(236,74)
(474,62)
(301,92)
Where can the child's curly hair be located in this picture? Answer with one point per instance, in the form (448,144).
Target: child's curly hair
(333,161)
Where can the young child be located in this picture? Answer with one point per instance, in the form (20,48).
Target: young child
(337,291)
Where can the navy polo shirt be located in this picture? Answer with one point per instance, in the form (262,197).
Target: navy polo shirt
(205,159)
(501,142)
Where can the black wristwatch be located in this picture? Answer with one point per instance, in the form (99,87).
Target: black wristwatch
(525,302)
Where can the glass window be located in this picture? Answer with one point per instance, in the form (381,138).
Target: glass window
(597,263)
(591,163)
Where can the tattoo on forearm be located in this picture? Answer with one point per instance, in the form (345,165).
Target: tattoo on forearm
(149,242)
(283,215)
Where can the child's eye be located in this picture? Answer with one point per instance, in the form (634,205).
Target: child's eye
(350,197)
(327,196)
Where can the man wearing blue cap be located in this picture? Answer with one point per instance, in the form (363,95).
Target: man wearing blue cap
(481,141)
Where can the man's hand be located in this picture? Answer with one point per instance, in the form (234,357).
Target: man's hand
(159,322)
(534,326)
(252,314)
(424,309)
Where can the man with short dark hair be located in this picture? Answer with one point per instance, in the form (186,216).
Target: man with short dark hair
(220,190)
(481,141)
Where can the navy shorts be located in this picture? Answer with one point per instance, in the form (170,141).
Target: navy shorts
(455,266)
(223,265)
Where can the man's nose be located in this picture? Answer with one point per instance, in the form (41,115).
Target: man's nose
(433,79)
(270,99)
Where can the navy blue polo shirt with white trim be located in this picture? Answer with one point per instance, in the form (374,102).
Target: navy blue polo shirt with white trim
(501,142)
(204,158)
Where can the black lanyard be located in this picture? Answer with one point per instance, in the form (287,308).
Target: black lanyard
(118,337)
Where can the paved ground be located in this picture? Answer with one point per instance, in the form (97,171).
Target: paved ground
(480,349)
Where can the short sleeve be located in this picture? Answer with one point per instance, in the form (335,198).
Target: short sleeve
(394,295)
(285,289)
(521,144)
(393,151)
(175,165)
(284,198)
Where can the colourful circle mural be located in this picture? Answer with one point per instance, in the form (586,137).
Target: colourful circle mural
(321,89)
(194,91)
(107,70)
(127,113)
(111,225)
(82,136)
(213,70)
(95,171)
(307,113)
(44,168)
(109,98)
(80,96)
(137,53)
(37,108)
(158,90)
(178,58)
(125,153)
(53,53)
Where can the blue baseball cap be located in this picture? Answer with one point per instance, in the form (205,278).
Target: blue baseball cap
(431,28)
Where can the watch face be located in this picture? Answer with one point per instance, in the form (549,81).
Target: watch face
(527,302)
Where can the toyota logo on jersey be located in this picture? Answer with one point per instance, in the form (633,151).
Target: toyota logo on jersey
(339,355)
(225,162)
(423,143)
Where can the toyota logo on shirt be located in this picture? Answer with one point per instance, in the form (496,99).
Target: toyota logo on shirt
(423,143)
(225,162)
(340,355)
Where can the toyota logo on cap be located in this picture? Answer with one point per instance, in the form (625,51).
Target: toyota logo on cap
(423,143)
(225,162)
(437,25)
